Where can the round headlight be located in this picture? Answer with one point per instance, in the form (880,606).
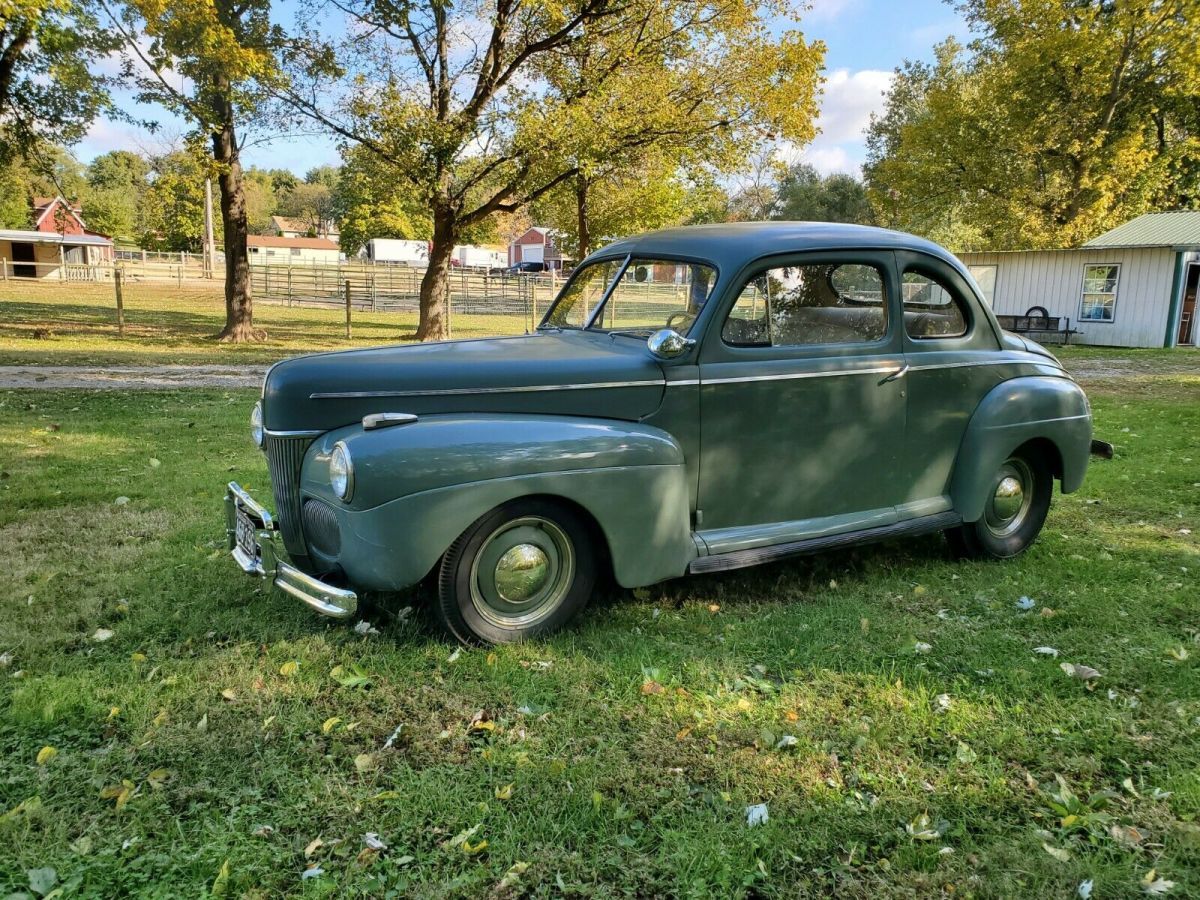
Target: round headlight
(256,423)
(341,471)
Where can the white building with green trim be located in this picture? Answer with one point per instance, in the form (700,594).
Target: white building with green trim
(1134,286)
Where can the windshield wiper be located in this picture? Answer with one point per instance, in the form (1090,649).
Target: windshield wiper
(633,332)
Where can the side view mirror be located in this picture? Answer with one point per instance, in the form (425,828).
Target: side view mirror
(667,343)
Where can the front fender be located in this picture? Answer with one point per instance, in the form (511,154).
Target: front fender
(419,486)
(1011,414)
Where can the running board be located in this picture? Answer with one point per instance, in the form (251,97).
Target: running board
(739,559)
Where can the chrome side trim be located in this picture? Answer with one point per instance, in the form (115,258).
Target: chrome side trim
(974,363)
(450,392)
(794,376)
(293,434)
(384,419)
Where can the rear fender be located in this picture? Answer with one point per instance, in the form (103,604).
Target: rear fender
(1015,412)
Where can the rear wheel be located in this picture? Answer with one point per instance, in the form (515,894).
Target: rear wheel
(525,568)
(1018,500)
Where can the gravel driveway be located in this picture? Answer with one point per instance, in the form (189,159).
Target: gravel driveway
(223,376)
(131,377)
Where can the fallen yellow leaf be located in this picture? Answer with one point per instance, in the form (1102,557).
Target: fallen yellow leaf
(313,846)
(491,659)
(289,668)
(229,695)
(46,754)
(505,792)
(474,849)
(682,733)
(364,762)
(158,778)
(652,687)
(329,724)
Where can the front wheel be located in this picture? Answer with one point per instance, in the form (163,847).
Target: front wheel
(523,569)
(1017,503)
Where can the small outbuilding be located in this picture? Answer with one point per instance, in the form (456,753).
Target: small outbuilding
(280,251)
(535,245)
(1134,286)
(59,245)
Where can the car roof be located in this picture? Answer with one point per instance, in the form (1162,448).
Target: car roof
(732,244)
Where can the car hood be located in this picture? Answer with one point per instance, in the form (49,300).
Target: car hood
(557,372)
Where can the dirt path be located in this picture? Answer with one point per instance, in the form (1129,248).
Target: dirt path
(226,376)
(130,377)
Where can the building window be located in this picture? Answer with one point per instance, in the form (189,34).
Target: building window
(1099,293)
(985,277)
(295,251)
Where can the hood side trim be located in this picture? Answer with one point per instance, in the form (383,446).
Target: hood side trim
(447,392)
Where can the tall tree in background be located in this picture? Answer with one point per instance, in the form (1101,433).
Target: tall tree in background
(115,199)
(1063,120)
(464,107)
(47,93)
(804,195)
(226,50)
(681,88)
(173,216)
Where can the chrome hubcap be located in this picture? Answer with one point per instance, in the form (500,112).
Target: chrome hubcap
(522,572)
(1011,498)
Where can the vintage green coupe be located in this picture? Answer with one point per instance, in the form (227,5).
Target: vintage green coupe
(695,400)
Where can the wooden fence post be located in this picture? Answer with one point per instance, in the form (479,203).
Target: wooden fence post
(118,277)
(347,309)
(179,276)
(4,267)
(289,297)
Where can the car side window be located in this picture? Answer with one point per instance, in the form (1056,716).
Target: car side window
(931,308)
(807,305)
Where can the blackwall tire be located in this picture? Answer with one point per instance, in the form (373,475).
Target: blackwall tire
(524,569)
(1017,503)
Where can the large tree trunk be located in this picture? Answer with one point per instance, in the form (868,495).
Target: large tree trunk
(239,305)
(437,276)
(583,214)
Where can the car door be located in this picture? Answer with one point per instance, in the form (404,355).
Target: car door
(951,348)
(802,401)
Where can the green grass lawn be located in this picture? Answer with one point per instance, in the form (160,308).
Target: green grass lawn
(75,324)
(887,703)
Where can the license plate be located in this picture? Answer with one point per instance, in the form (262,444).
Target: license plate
(246,532)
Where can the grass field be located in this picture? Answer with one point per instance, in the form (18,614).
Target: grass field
(167,728)
(75,324)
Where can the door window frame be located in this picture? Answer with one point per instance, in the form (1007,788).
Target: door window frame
(981,333)
(715,349)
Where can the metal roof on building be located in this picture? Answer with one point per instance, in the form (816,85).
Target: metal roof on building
(53,237)
(1165,229)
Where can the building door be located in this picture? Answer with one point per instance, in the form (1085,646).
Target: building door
(1187,320)
(24,253)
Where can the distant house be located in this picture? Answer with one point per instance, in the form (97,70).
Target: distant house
(293,227)
(58,238)
(535,245)
(1134,286)
(269,248)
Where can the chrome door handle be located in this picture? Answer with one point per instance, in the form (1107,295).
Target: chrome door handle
(897,375)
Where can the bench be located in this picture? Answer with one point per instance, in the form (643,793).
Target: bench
(1039,324)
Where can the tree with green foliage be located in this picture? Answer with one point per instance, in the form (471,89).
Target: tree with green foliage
(116,194)
(48,95)
(174,209)
(682,90)
(227,51)
(495,122)
(1059,121)
(375,200)
(804,195)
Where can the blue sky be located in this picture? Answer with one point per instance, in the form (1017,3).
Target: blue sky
(865,39)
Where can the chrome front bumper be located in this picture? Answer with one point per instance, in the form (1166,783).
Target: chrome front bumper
(265,560)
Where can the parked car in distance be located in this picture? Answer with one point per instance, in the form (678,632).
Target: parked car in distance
(695,400)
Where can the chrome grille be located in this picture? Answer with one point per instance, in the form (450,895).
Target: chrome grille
(321,528)
(284,455)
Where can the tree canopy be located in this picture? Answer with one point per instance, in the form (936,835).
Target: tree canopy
(1058,122)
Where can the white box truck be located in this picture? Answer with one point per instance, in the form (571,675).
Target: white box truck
(469,256)
(398,252)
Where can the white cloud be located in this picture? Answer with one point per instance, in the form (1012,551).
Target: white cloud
(827,10)
(848,101)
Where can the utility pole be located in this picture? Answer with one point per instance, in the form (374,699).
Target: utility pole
(210,250)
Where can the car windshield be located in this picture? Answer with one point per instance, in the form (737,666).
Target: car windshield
(648,294)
